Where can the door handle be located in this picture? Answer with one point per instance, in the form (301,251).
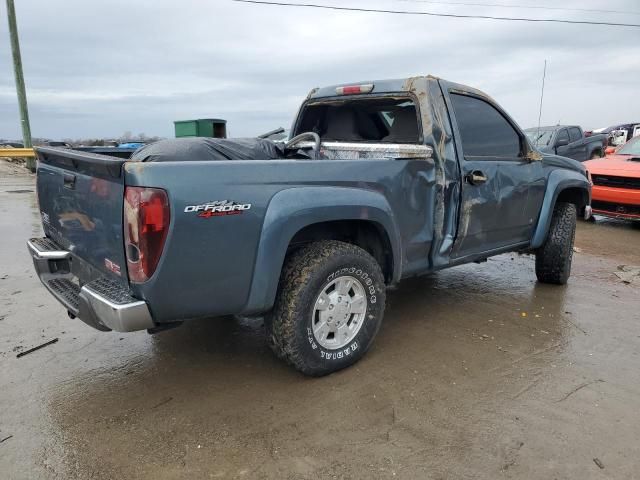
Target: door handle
(476,177)
(69,181)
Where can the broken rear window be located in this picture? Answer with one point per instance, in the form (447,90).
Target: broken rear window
(383,119)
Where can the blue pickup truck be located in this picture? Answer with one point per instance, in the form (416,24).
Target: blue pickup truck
(381,180)
(568,141)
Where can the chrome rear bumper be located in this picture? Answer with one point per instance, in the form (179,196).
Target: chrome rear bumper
(101,303)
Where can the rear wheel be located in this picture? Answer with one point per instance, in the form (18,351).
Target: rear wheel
(328,309)
(553,259)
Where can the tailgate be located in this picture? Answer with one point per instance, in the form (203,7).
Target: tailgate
(81,198)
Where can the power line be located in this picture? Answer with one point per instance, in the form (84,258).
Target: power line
(433,14)
(506,5)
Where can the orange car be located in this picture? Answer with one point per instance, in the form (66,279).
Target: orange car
(616,182)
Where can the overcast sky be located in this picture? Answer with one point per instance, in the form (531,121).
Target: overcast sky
(100,68)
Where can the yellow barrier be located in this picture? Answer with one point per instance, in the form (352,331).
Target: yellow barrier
(17,152)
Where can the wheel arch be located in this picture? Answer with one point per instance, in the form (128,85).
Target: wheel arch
(300,215)
(369,235)
(562,186)
(593,149)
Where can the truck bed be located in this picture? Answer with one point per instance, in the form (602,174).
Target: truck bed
(211,259)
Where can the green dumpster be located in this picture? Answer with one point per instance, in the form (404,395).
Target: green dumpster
(202,127)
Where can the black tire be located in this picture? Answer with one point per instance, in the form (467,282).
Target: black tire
(306,273)
(553,259)
(596,154)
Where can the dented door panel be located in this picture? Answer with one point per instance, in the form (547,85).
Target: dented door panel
(500,196)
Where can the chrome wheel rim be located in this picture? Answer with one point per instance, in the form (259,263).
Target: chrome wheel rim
(339,312)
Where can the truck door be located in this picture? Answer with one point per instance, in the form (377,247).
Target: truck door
(577,145)
(501,189)
(561,143)
(619,137)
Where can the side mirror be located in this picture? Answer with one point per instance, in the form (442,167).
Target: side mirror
(610,150)
(561,142)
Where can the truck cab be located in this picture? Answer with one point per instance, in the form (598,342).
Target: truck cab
(479,151)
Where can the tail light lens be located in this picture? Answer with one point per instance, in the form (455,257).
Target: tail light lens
(146,223)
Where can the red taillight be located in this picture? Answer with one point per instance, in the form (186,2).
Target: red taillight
(146,223)
(355,89)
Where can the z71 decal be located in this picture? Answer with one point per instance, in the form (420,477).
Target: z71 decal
(114,267)
(218,208)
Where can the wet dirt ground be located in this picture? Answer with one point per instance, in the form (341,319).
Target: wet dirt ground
(477,372)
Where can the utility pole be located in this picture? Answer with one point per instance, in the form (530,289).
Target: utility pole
(20,89)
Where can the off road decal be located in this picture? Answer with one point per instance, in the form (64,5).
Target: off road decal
(218,208)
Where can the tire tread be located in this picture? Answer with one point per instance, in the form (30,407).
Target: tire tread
(553,259)
(298,269)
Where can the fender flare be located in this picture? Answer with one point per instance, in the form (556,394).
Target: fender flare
(592,147)
(291,210)
(558,181)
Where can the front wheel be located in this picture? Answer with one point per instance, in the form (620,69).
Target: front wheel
(553,259)
(328,309)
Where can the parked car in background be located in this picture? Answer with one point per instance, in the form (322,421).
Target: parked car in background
(56,143)
(567,141)
(12,144)
(132,144)
(616,182)
(620,134)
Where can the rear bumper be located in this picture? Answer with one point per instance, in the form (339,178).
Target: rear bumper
(102,303)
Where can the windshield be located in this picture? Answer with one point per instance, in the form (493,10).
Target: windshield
(632,147)
(540,138)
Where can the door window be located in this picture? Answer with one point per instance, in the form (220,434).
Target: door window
(574,134)
(483,130)
(562,135)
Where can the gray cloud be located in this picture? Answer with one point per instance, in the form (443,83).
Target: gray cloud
(100,68)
